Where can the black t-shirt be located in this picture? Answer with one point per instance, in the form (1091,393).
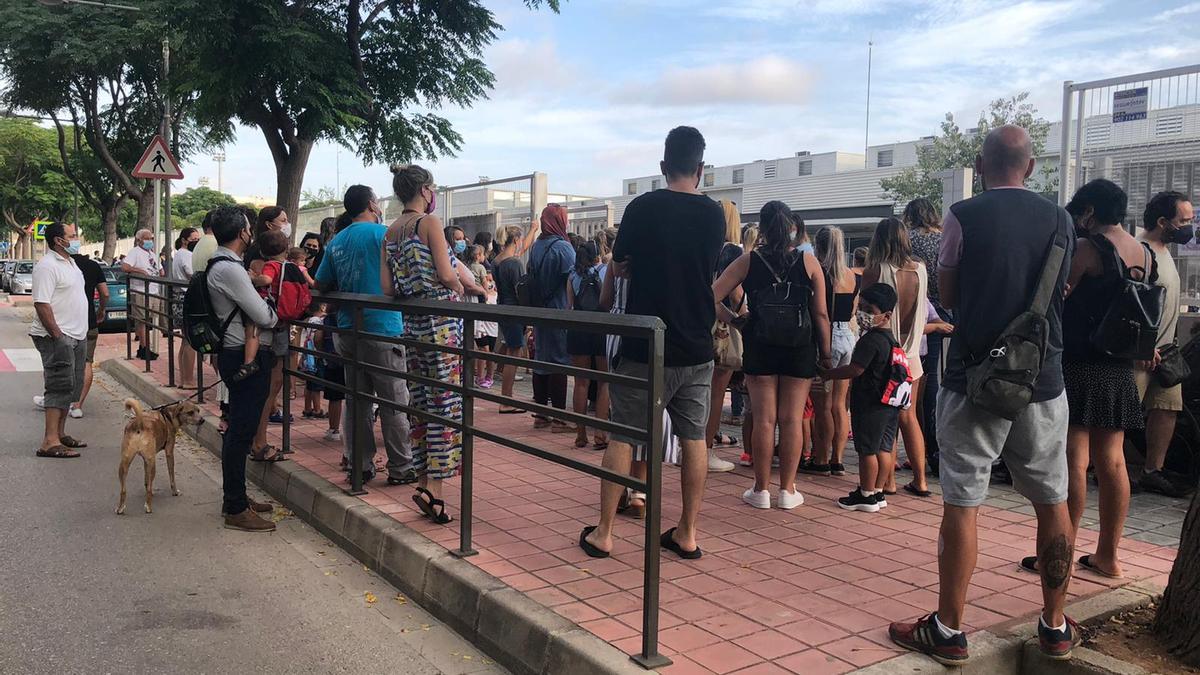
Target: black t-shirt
(507,274)
(93,276)
(874,353)
(672,240)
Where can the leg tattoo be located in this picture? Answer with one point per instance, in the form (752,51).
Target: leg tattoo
(1055,562)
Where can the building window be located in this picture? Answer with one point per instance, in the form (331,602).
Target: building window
(769,171)
(884,158)
(1168,125)
(631,189)
(1097,134)
(655,184)
(806,167)
(739,176)
(709,180)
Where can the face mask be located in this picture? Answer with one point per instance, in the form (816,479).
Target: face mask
(73,246)
(191,245)
(1183,235)
(460,246)
(148,245)
(865,321)
(286,229)
(432,205)
(310,252)
(245,240)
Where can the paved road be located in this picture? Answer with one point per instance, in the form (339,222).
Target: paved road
(83,590)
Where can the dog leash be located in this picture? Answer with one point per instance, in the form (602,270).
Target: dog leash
(194,395)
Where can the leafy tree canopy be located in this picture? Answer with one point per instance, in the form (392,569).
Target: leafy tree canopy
(199,200)
(954,149)
(321,197)
(32,182)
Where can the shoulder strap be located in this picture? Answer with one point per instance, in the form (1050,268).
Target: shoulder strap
(1049,280)
(770,269)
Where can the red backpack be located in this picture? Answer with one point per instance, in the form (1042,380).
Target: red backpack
(897,391)
(290,290)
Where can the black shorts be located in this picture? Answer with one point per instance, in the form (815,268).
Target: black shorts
(798,362)
(584,343)
(874,428)
(335,373)
(486,342)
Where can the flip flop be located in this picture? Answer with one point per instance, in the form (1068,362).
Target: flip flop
(588,547)
(1029,564)
(1086,563)
(57,451)
(73,443)
(511,411)
(264,454)
(668,542)
(724,441)
(912,490)
(432,507)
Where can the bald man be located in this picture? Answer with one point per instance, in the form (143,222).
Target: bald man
(994,249)
(142,259)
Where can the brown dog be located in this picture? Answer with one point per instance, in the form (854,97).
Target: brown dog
(149,432)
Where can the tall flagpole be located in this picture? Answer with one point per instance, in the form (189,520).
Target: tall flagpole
(867,133)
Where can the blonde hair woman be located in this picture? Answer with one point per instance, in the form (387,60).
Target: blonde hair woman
(890,261)
(731,309)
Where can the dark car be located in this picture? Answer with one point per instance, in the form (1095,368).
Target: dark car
(118,300)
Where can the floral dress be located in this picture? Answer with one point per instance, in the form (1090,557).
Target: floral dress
(437,448)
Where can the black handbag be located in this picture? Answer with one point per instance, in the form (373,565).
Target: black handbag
(1172,369)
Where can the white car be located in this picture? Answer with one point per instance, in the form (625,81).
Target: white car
(21,280)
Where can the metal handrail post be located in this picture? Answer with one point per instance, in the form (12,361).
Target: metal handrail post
(286,389)
(468,442)
(129,328)
(650,658)
(146,323)
(168,292)
(353,401)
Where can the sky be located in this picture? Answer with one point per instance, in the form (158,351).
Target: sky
(587,95)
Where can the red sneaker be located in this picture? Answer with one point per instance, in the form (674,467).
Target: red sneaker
(924,637)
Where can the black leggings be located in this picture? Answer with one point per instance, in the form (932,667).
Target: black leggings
(551,389)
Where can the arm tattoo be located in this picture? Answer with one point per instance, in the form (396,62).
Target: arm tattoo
(1055,562)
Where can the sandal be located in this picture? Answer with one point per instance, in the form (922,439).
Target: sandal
(1085,562)
(1028,564)
(505,410)
(588,547)
(912,490)
(668,542)
(70,442)
(635,511)
(267,453)
(562,428)
(581,441)
(57,451)
(432,507)
(724,441)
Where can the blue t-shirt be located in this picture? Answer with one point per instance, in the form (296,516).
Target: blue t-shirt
(351,265)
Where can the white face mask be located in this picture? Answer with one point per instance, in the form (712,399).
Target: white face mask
(865,321)
(286,229)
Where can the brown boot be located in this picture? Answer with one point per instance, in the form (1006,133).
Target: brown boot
(249,521)
(260,507)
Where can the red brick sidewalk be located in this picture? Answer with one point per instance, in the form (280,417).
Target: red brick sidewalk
(807,591)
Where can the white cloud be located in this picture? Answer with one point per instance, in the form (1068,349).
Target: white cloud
(770,80)
(524,66)
(1170,14)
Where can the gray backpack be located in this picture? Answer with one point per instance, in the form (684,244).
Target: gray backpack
(1002,382)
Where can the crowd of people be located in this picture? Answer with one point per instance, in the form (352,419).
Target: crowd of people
(816,345)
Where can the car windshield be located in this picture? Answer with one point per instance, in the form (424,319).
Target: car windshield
(115,276)
(24,268)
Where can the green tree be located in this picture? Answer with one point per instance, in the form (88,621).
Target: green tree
(199,200)
(322,197)
(32,183)
(368,74)
(954,149)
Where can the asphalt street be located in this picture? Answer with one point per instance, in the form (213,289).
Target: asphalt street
(83,590)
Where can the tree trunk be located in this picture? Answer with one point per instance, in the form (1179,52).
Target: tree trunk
(109,214)
(1179,612)
(289,179)
(145,214)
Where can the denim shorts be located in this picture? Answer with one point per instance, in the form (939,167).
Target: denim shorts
(63,360)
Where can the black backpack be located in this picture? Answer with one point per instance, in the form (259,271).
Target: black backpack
(1129,328)
(202,329)
(587,298)
(1002,382)
(779,312)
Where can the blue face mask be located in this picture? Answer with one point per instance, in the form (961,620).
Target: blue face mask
(148,245)
(73,246)
(460,246)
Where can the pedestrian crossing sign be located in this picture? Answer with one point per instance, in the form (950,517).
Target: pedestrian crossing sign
(39,229)
(157,162)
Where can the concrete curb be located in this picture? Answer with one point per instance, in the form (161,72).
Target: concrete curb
(521,634)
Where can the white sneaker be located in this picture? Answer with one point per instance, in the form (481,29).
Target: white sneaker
(39,402)
(518,378)
(333,435)
(789,500)
(75,412)
(716,464)
(759,499)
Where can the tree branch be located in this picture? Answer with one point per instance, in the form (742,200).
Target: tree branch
(95,138)
(66,162)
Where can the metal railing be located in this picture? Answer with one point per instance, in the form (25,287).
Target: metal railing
(158,318)
(650,434)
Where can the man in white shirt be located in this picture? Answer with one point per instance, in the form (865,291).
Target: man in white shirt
(143,260)
(59,331)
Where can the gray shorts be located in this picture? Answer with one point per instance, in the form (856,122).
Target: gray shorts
(62,369)
(1034,448)
(685,398)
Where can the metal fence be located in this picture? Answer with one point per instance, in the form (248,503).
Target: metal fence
(646,328)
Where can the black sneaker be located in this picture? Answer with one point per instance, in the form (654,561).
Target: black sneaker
(815,469)
(857,501)
(923,636)
(881,499)
(1058,644)
(1158,482)
(837,469)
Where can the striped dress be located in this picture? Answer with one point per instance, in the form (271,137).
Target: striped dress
(437,448)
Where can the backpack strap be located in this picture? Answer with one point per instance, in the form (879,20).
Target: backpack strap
(208,295)
(778,279)
(1049,279)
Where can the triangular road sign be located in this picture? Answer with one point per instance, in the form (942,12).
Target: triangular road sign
(157,162)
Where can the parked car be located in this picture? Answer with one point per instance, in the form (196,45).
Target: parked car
(117,310)
(20,281)
(6,268)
